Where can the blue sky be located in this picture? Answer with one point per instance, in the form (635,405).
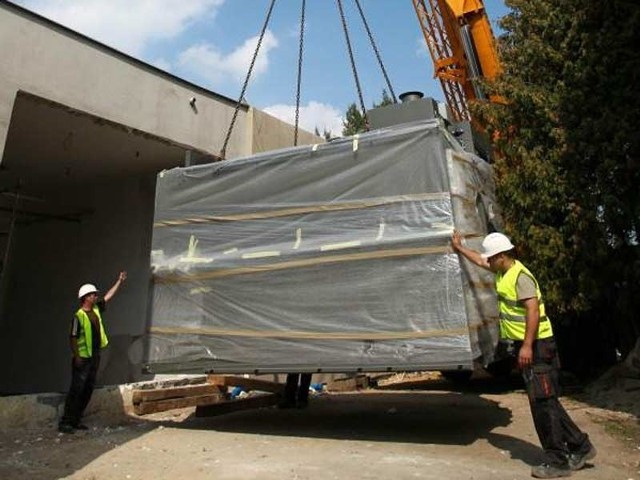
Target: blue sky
(210,43)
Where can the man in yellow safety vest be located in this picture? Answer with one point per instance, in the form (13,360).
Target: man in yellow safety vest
(523,322)
(87,338)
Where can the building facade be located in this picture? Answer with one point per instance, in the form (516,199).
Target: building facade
(84,130)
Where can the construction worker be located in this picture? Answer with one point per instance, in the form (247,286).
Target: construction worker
(87,338)
(525,327)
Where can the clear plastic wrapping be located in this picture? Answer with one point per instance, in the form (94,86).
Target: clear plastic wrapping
(332,258)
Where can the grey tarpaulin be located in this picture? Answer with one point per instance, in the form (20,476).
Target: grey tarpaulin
(331,258)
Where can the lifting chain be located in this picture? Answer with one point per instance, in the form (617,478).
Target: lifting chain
(353,63)
(300,52)
(375,49)
(223,152)
(343,19)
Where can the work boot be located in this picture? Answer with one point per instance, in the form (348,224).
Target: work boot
(578,460)
(81,426)
(549,471)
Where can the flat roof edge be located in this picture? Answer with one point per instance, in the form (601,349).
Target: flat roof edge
(112,51)
(114,124)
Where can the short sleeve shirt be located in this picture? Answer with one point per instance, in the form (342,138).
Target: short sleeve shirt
(525,287)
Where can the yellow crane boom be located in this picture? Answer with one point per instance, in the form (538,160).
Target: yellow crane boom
(462,46)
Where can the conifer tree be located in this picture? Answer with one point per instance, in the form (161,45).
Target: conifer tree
(354,119)
(568,156)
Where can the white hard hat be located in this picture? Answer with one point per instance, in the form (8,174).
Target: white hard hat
(495,243)
(86,289)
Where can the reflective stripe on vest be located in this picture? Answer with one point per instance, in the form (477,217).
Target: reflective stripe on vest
(512,311)
(85,341)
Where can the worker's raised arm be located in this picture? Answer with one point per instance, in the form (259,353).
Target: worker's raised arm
(470,254)
(122,276)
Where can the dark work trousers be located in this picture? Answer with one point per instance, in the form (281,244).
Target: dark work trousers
(558,435)
(83,379)
(296,390)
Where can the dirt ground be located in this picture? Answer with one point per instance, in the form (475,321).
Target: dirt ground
(414,428)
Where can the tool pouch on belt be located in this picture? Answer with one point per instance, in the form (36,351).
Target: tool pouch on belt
(542,377)
(542,382)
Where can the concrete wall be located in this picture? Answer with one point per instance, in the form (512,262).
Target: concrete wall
(270,133)
(50,61)
(50,260)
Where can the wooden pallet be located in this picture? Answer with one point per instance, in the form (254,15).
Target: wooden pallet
(162,399)
(259,401)
(210,398)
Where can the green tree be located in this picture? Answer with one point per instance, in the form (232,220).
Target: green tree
(567,169)
(326,134)
(354,119)
(386,99)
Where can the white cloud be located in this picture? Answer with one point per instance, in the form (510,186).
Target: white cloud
(206,60)
(313,115)
(126,25)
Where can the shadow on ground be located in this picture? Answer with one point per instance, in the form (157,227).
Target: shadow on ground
(518,449)
(405,417)
(418,416)
(478,384)
(46,454)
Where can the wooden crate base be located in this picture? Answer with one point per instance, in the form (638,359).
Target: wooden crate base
(210,398)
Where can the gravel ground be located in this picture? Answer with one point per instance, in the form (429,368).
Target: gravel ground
(418,432)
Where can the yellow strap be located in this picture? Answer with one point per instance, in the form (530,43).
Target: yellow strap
(307,262)
(329,207)
(215,332)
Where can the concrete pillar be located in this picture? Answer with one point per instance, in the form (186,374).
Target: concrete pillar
(7,99)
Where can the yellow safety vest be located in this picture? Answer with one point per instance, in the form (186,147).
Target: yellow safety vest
(512,311)
(85,343)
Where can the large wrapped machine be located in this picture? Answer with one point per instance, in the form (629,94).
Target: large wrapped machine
(327,258)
